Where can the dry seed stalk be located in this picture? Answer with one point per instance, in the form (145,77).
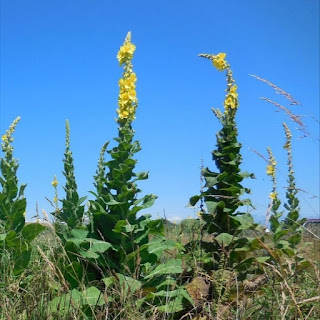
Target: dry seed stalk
(278,90)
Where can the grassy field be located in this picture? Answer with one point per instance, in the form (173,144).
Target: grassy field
(269,295)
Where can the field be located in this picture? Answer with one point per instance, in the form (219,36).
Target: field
(102,259)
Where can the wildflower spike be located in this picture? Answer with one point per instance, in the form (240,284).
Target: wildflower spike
(127,101)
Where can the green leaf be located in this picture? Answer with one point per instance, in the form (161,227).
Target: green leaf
(18,209)
(119,226)
(158,247)
(147,201)
(169,282)
(279,234)
(73,273)
(176,304)
(142,175)
(130,285)
(113,202)
(62,303)
(172,266)
(156,227)
(21,258)
(246,174)
(79,233)
(246,221)
(92,297)
(31,231)
(193,200)
(13,240)
(211,181)
(213,205)
(2,236)
(225,239)
(88,254)
(99,245)
(294,239)
(109,281)
(75,241)
(262,259)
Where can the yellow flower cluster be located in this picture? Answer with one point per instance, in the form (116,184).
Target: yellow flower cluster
(219,61)
(126,52)
(127,101)
(54,183)
(272,195)
(287,144)
(231,100)
(4,138)
(271,168)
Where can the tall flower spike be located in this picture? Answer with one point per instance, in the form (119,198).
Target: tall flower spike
(271,167)
(7,137)
(127,101)
(288,134)
(273,195)
(231,99)
(55,183)
(218,60)
(292,205)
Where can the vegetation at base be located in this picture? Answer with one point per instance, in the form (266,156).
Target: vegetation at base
(107,261)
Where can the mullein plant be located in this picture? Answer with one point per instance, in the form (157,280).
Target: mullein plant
(115,249)
(72,210)
(114,211)
(12,201)
(15,235)
(283,238)
(100,177)
(223,188)
(292,220)
(279,245)
(285,234)
(54,184)
(273,215)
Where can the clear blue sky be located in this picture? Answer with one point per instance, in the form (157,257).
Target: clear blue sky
(58,61)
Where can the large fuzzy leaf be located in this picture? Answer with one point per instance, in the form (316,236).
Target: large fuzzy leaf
(172,266)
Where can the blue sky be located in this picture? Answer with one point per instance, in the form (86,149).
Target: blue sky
(58,61)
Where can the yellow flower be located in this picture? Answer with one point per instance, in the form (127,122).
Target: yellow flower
(133,77)
(126,52)
(124,97)
(271,170)
(123,114)
(54,183)
(4,138)
(272,195)
(219,61)
(199,214)
(233,91)
(127,100)
(229,102)
(55,199)
(132,95)
(126,84)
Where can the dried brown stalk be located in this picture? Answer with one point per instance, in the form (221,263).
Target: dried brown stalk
(259,154)
(279,91)
(294,117)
